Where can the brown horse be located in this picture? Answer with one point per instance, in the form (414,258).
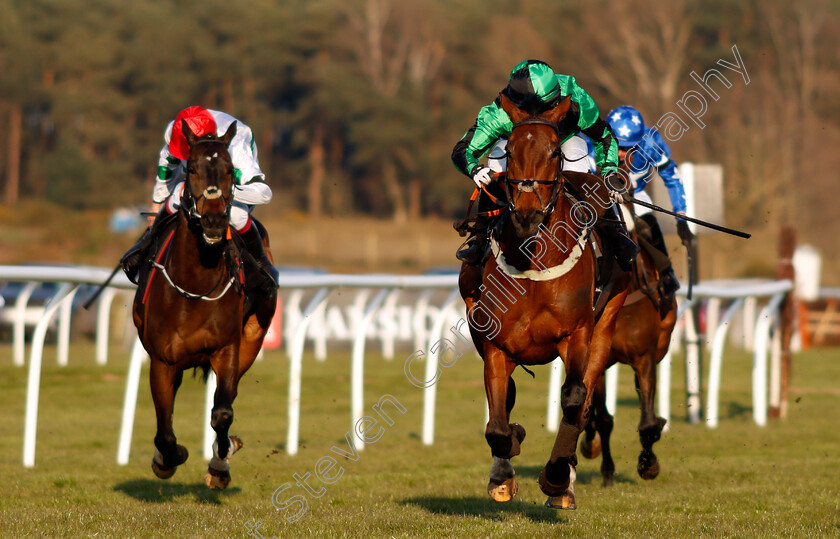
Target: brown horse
(533,301)
(642,337)
(193,310)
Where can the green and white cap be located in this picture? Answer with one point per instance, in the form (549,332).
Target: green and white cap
(532,80)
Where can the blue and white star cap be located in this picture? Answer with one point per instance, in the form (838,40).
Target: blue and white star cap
(627,124)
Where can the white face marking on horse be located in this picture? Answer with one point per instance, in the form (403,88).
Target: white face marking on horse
(529,136)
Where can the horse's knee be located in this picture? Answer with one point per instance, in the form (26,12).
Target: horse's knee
(572,398)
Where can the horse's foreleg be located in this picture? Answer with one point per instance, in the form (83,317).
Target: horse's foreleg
(503,437)
(225,364)
(650,426)
(558,476)
(164,380)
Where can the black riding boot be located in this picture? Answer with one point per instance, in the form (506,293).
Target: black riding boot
(667,278)
(134,258)
(253,242)
(476,245)
(624,248)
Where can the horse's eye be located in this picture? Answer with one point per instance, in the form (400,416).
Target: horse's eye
(191,169)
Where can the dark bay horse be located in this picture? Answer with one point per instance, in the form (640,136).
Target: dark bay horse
(192,310)
(533,301)
(642,337)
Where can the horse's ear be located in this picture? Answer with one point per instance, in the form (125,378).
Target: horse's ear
(188,134)
(559,111)
(514,113)
(229,134)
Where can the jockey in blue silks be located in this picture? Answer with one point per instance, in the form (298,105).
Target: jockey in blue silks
(645,151)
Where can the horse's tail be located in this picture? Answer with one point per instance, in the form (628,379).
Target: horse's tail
(205,372)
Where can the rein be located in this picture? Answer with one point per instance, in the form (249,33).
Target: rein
(185,293)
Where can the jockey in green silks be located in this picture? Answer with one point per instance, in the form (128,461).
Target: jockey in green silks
(535,88)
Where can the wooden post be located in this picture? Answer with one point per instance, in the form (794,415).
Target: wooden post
(785,270)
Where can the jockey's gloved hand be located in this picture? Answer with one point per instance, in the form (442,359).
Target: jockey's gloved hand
(684,233)
(482,176)
(616,182)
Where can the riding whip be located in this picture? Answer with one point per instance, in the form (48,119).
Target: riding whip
(101,288)
(654,207)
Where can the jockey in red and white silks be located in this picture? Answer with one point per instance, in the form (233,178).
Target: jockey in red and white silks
(249,189)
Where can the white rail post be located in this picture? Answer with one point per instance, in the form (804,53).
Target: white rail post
(716,363)
(19,327)
(65,312)
(776,365)
(555,381)
(611,388)
(712,320)
(296,346)
(291,318)
(418,320)
(759,378)
(357,375)
(103,322)
(319,325)
(209,398)
(750,306)
(432,362)
(33,386)
(388,324)
(132,384)
(692,369)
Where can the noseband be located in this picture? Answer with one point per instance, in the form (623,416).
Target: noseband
(528,185)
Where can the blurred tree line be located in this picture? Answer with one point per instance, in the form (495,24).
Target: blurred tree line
(356,104)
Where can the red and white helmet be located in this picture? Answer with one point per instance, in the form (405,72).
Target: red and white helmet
(201,122)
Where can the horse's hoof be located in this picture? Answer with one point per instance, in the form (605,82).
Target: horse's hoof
(503,492)
(217,480)
(161,471)
(591,448)
(566,501)
(648,467)
(609,480)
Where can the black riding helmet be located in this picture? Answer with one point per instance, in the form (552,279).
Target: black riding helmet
(533,87)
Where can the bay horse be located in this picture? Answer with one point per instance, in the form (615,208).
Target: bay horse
(533,301)
(641,339)
(193,311)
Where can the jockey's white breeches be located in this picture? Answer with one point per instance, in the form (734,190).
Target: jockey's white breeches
(574,151)
(239,212)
